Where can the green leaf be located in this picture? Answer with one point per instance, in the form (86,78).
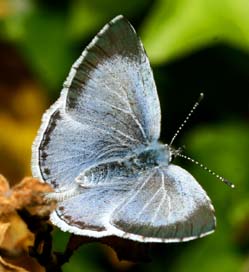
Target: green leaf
(46,47)
(89,16)
(176,28)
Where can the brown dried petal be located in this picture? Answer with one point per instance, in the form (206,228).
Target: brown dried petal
(29,194)
(6,206)
(25,262)
(16,237)
(7,267)
(3,229)
(4,186)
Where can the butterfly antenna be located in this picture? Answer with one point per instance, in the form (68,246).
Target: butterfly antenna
(227,182)
(187,118)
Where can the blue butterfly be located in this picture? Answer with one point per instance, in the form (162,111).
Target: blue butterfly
(98,148)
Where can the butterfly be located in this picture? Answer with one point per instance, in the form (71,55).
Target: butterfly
(98,147)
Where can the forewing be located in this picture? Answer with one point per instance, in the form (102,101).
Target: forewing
(108,108)
(111,85)
(168,206)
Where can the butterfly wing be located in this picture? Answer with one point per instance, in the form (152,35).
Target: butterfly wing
(161,205)
(107,109)
(168,206)
(114,73)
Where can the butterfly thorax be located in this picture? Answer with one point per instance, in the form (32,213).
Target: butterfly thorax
(153,156)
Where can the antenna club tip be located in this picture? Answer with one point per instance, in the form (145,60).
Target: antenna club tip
(201,96)
(230,184)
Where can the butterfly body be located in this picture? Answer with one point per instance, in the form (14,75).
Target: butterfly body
(133,165)
(98,147)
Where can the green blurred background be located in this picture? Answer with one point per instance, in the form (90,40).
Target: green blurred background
(193,46)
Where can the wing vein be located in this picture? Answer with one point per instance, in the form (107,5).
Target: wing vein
(128,112)
(162,200)
(148,203)
(137,190)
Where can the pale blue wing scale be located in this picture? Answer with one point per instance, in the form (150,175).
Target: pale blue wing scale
(168,205)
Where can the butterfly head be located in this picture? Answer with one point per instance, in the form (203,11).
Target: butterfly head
(174,152)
